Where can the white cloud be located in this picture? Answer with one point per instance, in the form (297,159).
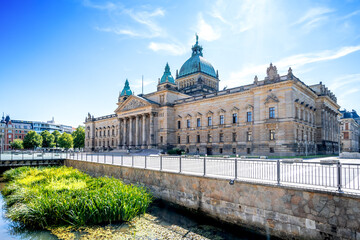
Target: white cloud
(145,27)
(295,61)
(206,31)
(173,49)
(313,18)
(106,6)
(345,81)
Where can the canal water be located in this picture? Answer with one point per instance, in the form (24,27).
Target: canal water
(163,221)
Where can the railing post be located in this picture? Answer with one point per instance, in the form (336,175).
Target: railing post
(278,171)
(180,164)
(98,158)
(339,177)
(160,163)
(86,158)
(22,156)
(236,169)
(204,166)
(112,161)
(12,155)
(132,161)
(122,160)
(145,162)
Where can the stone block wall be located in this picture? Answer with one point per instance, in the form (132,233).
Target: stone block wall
(280,211)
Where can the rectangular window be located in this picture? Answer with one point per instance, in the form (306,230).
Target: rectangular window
(272,112)
(234,118)
(234,137)
(161,139)
(209,121)
(209,138)
(220,150)
(346,135)
(198,122)
(188,123)
(187,139)
(271,150)
(272,134)
(249,116)
(346,126)
(248,150)
(179,124)
(249,136)
(221,119)
(198,138)
(234,150)
(179,140)
(221,137)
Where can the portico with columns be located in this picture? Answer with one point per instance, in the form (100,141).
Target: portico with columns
(136,119)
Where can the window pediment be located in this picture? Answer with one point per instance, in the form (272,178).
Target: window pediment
(271,98)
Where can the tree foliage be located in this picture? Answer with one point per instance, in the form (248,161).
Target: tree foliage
(32,140)
(56,135)
(48,139)
(65,141)
(79,137)
(17,144)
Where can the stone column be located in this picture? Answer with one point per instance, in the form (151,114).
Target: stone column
(143,130)
(152,137)
(124,133)
(130,131)
(137,131)
(119,132)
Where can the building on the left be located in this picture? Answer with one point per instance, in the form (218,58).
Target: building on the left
(11,129)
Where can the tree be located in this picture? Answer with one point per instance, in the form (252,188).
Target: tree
(48,139)
(65,141)
(79,137)
(32,140)
(17,144)
(56,135)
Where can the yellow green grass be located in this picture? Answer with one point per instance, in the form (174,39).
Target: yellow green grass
(63,196)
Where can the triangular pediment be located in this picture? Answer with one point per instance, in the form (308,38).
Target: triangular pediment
(271,98)
(131,103)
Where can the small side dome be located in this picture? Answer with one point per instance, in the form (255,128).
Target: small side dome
(167,77)
(126,91)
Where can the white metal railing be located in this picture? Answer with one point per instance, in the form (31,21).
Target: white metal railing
(317,175)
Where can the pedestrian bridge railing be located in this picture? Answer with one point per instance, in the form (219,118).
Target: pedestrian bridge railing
(326,176)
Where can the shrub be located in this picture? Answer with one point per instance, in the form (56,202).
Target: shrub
(61,196)
(174,151)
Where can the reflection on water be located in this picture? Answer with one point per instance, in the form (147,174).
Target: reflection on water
(182,223)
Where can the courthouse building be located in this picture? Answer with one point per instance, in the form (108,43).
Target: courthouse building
(279,115)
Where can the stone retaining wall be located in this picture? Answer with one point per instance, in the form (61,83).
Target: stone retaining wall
(280,211)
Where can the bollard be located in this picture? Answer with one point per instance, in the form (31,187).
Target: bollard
(180,164)
(204,166)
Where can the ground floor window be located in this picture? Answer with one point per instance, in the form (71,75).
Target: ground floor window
(248,150)
(234,150)
(271,150)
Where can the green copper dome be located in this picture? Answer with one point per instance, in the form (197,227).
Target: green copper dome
(197,63)
(126,91)
(167,77)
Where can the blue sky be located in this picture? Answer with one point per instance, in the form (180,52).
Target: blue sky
(66,58)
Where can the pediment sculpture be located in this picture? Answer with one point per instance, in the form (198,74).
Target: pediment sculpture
(132,104)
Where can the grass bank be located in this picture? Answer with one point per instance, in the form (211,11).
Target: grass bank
(63,196)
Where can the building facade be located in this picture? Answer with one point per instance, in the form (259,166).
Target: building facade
(279,115)
(350,131)
(17,129)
